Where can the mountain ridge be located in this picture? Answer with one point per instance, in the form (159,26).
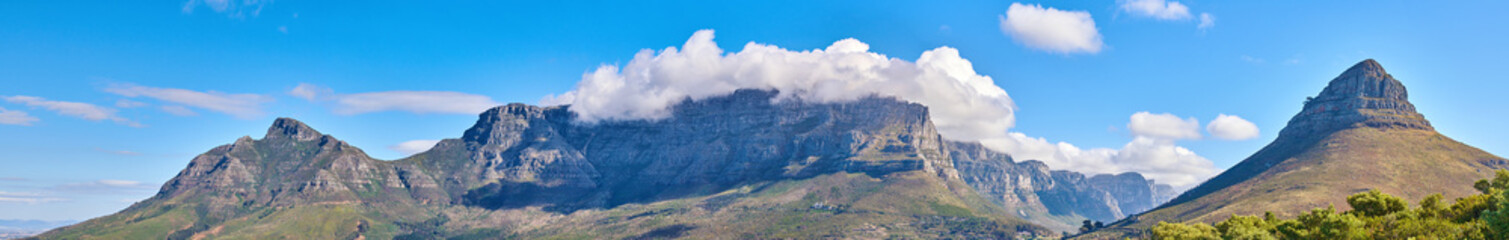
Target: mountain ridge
(870,168)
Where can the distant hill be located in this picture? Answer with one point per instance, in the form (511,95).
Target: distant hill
(1360,133)
(16,228)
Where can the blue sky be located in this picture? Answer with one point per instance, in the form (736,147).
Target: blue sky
(166,80)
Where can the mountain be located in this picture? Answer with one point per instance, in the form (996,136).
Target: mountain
(1056,199)
(1360,133)
(743,165)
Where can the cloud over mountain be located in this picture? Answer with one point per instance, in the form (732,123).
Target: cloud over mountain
(963,104)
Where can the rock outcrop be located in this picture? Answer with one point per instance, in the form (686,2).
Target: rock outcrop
(1036,192)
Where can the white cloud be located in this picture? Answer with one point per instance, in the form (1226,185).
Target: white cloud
(75,109)
(1230,127)
(1159,9)
(243,105)
(1151,152)
(1207,21)
(14,117)
(1051,29)
(413,146)
(1163,126)
(309,91)
(1159,160)
(178,110)
(964,105)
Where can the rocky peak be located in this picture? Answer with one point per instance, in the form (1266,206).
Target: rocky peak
(501,125)
(1363,96)
(290,128)
(1366,79)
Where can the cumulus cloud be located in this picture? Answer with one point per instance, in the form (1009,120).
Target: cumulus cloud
(409,101)
(14,117)
(964,105)
(1159,9)
(414,146)
(1207,21)
(1230,127)
(1164,126)
(75,109)
(243,105)
(1151,152)
(1051,29)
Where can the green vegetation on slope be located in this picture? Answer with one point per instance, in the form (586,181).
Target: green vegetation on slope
(1407,162)
(1374,215)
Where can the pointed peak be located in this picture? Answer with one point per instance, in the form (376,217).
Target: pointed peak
(288,127)
(1365,79)
(1367,67)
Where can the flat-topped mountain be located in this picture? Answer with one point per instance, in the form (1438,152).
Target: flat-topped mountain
(1360,133)
(744,165)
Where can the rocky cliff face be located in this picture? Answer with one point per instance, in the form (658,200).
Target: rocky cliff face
(1363,95)
(1031,188)
(520,155)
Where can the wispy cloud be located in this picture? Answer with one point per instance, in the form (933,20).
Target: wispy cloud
(241,105)
(408,101)
(75,109)
(1207,21)
(127,103)
(105,186)
(231,8)
(27,197)
(178,110)
(1051,29)
(413,146)
(1159,9)
(14,117)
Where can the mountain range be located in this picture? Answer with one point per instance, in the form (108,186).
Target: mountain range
(746,165)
